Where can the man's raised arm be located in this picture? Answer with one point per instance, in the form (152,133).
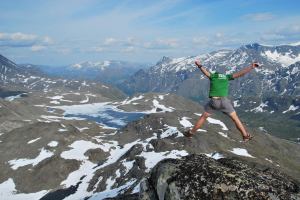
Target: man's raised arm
(245,70)
(204,71)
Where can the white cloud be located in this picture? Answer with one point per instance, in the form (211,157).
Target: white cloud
(110,41)
(128,49)
(64,51)
(36,48)
(2,36)
(266,16)
(219,35)
(131,41)
(93,49)
(21,36)
(98,49)
(19,39)
(271,36)
(162,44)
(217,40)
(201,40)
(48,40)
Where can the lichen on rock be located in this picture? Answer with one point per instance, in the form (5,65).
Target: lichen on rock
(199,177)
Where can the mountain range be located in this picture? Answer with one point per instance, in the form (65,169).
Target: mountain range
(109,72)
(270,91)
(31,78)
(81,139)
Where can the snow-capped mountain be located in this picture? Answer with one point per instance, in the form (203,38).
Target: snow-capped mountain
(110,71)
(70,139)
(274,87)
(27,77)
(99,65)
(170,75)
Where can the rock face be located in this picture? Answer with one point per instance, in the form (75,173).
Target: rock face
(200,177)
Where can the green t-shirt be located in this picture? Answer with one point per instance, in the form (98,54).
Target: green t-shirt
(219,84)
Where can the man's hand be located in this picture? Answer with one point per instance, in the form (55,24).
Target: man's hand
(254,65)
(245,70)
(204,71)
(197,62)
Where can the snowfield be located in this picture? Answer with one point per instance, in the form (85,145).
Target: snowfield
(241,152)
(8,191)
(15,164)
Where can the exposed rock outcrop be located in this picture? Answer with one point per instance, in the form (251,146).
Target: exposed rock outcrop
(200,177)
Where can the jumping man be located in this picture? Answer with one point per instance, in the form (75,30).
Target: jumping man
(218,99)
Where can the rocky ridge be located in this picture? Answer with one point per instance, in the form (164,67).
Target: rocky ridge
(109,162)
(199,177)
(95,146)
(26,78)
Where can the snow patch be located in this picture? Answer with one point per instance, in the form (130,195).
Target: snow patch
(15,164)
(85,100)
(88,168)
(53,144)
(157,105)
(83,128)
(284,59)
(55,102)
(8,191)
(268,160)
(185,122)
(219,122)
(34,140)
(260,107)
(215,121)
(291,108)
(128,101)
(152,158)
(128,165)
(215,155)
(235,103)
(241,152)
(78,149)
(171,130)
(295,44)
(112,192)
(11,98)
(223,134)
(56,97)
(161,97)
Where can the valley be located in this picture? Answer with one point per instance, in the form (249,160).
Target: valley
(66,139)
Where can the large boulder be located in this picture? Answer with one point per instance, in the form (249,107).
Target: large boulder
(201,177)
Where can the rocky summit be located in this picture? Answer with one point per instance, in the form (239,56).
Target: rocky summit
(71,140)
(196,177)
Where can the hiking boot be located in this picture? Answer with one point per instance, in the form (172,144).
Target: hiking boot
(247,138)
(188,133)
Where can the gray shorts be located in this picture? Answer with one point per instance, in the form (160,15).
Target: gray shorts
(223,104)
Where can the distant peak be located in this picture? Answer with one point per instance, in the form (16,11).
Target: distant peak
(252,46)
(91,64)
(164,59)
(295,44)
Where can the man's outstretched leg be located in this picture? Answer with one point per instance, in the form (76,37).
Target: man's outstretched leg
(240,126)
(198,125)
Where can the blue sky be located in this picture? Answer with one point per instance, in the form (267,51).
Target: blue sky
(61,32)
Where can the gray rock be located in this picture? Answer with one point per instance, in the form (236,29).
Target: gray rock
(200,177)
